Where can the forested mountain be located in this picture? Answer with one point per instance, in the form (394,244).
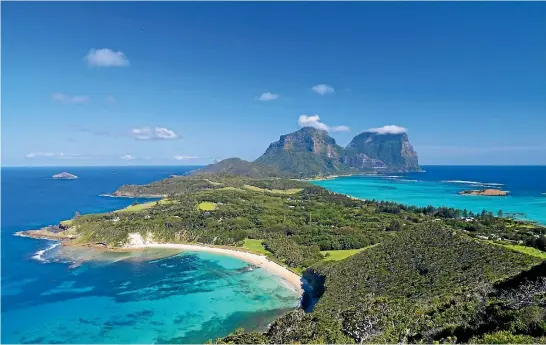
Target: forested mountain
(311,152)
(306,153)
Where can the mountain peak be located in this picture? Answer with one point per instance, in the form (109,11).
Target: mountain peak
(311,131)
(393,149)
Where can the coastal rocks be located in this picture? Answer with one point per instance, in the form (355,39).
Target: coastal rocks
(484,192)
(47,233)
(64,176)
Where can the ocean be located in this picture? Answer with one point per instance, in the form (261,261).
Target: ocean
(439,186)
(143,297)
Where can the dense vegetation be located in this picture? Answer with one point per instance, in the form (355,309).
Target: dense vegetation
(241,167)
(426,274)
(428,284)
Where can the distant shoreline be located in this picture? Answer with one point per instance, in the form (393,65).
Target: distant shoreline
(134,197)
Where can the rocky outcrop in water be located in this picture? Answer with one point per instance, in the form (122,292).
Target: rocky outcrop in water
(64,176)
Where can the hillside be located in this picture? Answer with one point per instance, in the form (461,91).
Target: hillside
(429,283)
(239,167)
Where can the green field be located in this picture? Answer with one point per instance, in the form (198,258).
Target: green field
(523,249)
(274,191)
(145,205)
(336,255)
(207,206)
(255,246)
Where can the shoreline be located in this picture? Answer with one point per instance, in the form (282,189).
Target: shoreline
(136,242)
(293,280)
(134,197)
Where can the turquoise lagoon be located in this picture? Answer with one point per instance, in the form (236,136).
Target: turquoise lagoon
(439,186)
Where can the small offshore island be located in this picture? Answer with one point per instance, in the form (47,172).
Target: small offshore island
(64,176)
(484,192)
(378,272)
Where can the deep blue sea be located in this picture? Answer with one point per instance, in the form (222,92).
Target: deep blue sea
(116,298)
(439,186)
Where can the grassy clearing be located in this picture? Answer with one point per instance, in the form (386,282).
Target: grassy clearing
(207,206)
(255,246)
(523,249)
(146,205)
(274,191)
(336,255)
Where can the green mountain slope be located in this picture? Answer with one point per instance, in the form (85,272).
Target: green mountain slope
(430,283)
(240,167)
(307,152)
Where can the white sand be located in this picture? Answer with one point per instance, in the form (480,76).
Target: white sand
(294,280)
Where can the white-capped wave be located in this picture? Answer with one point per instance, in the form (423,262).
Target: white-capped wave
(39,255)
(474,182)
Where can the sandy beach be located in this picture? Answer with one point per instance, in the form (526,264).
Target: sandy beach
(294,281)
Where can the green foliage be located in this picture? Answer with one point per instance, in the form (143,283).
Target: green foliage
(240,337)
(426,284)
(240,167)
(505,337)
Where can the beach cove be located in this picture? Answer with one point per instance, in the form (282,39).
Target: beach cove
(137,296)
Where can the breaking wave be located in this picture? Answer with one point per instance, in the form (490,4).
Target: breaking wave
(39,255)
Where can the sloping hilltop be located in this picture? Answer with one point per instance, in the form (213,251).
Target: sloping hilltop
(381,272)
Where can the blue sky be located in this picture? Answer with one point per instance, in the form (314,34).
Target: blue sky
(115,83)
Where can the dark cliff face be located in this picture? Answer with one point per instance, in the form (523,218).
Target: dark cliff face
(307,139)
(394,150)
(305,153)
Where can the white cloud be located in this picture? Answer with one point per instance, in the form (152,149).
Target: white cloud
(56,155)
(314,121)
(157,133)
(183,157)
(106,58)
(64,98)
(268,96)
(389,129)
(323,89)
(339,129)
(127,157)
